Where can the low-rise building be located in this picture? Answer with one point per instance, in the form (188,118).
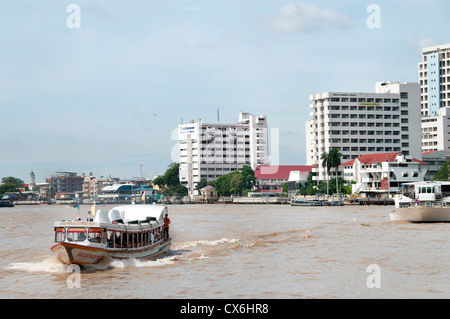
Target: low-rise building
(92,185)
(382,173)
(271,178)
(66,182)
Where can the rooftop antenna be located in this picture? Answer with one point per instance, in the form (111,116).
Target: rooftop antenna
(218,117)
(141,168)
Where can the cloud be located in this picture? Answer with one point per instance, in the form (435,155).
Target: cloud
(417,44)
(303,17)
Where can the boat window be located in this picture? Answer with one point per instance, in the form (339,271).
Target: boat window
(76,234)
(95,235)
(59,235)
(117,239)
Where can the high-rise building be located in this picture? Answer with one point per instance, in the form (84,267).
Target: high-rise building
(364,123)
(209,150)
(434,80)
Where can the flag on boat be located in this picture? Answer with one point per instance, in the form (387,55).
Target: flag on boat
(92,211)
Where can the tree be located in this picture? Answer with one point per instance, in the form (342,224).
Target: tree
(203,182)
(326,164)
(169,183)
(443,173)
(335,159)
(249,179)
(236,182)
(10,184)
(331,160)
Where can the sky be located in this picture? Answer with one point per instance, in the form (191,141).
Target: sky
(102,86)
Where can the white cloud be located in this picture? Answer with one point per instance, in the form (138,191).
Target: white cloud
(417,44)
(305,17)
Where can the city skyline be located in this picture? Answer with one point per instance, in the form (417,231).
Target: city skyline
(105,96)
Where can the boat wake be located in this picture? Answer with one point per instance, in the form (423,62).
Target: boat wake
(179,252)
(48,265)
(197,243)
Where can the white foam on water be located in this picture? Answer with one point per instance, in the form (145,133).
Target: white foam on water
(49,265)
(205,243)
(132,262)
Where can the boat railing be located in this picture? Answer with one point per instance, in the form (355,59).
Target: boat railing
(423,204)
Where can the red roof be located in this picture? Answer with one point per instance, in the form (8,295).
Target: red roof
(280,171)
(377,158)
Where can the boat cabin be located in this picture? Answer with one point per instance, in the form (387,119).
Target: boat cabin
(114,229)
(426,191)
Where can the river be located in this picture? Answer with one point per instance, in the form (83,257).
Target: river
(239,251)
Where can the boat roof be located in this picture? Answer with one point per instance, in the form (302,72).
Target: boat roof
(130,213)
(126,214)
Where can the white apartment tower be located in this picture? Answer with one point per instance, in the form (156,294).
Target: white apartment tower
(364,123)
(209,150)
(434,80)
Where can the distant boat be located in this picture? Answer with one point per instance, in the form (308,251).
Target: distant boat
(334,200)
(6,203)
(306,202)
(128,231)
(423,202)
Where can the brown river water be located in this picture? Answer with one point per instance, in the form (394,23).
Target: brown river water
(239,251)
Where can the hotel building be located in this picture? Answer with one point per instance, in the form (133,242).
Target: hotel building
(209,150)
(434,80)
(364,123)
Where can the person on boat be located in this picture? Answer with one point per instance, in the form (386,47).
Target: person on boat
(166,226)
(152,238)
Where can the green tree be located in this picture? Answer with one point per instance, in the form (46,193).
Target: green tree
(10,184)
(236,182)
(443,173)
(222,184)
(203,182)
(169,183)
(331,160)
(335,159)
(249,179)
(326,164)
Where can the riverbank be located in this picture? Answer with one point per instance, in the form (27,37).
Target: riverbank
(272,200)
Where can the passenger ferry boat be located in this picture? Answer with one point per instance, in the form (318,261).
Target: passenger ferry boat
(128,231)
(423,202)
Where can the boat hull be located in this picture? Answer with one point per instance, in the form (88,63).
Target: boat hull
(421,214)
(69,253)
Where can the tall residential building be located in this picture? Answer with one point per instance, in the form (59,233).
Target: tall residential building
(364,123)
(209,150)
(434,80)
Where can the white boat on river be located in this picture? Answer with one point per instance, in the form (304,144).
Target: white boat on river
(128,231)
(423,202)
